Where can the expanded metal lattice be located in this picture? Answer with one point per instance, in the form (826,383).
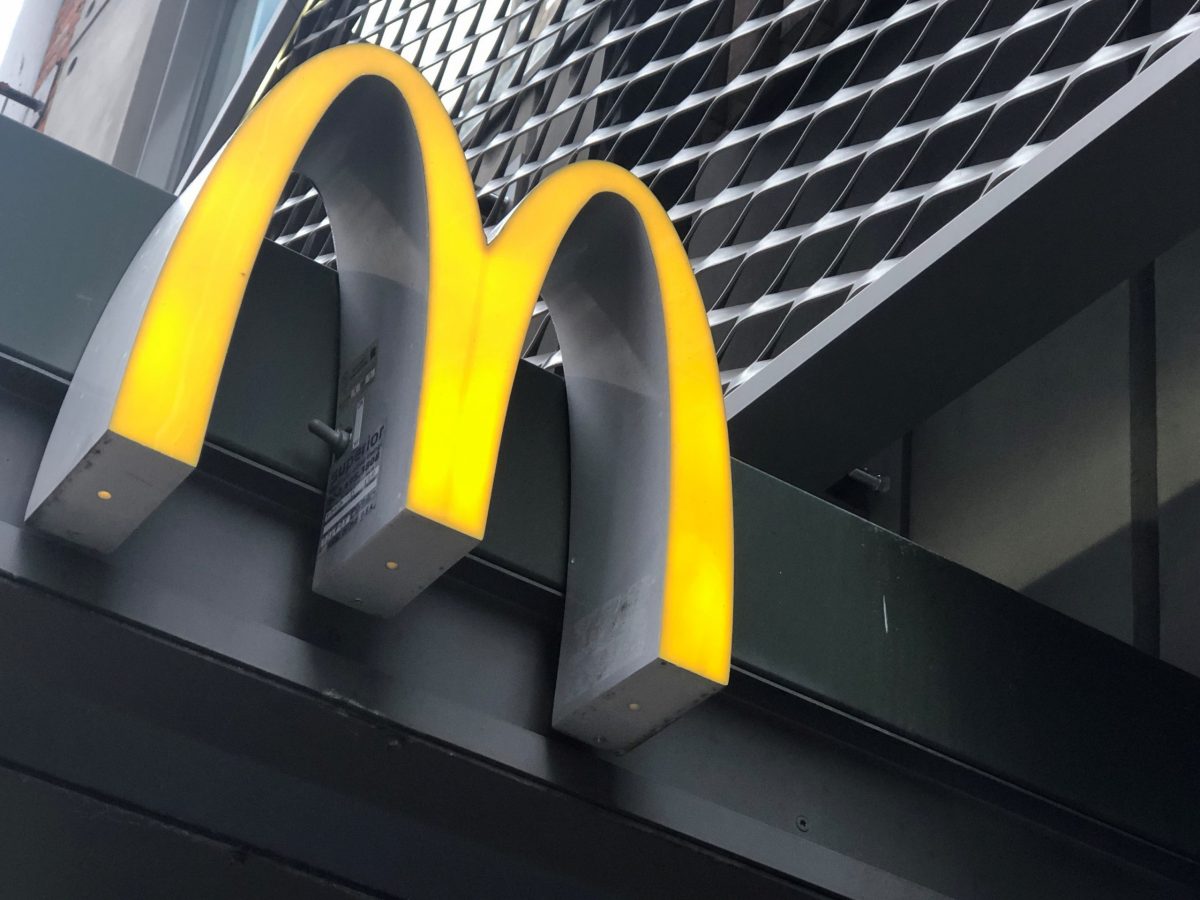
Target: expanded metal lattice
(801,147)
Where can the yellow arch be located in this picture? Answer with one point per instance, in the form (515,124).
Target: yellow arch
(480,298)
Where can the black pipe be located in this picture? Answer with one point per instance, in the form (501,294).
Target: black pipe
(7,90)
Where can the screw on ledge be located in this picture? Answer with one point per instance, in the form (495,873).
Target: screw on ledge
(337,439)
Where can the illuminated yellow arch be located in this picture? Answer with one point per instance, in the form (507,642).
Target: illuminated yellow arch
(480,297)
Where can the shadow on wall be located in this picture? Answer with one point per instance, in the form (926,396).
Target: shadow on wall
(1094,570)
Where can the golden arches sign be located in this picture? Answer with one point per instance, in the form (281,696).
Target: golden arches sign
(649,590)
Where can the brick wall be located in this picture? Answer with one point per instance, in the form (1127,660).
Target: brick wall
(59,48)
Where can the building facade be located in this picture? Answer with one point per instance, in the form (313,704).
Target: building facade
(803,150)
(948,252)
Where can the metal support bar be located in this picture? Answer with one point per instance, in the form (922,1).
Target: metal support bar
(1143,462)
(20,97)
(880,484)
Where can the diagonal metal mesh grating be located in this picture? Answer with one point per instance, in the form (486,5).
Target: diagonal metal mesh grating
(801,148)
